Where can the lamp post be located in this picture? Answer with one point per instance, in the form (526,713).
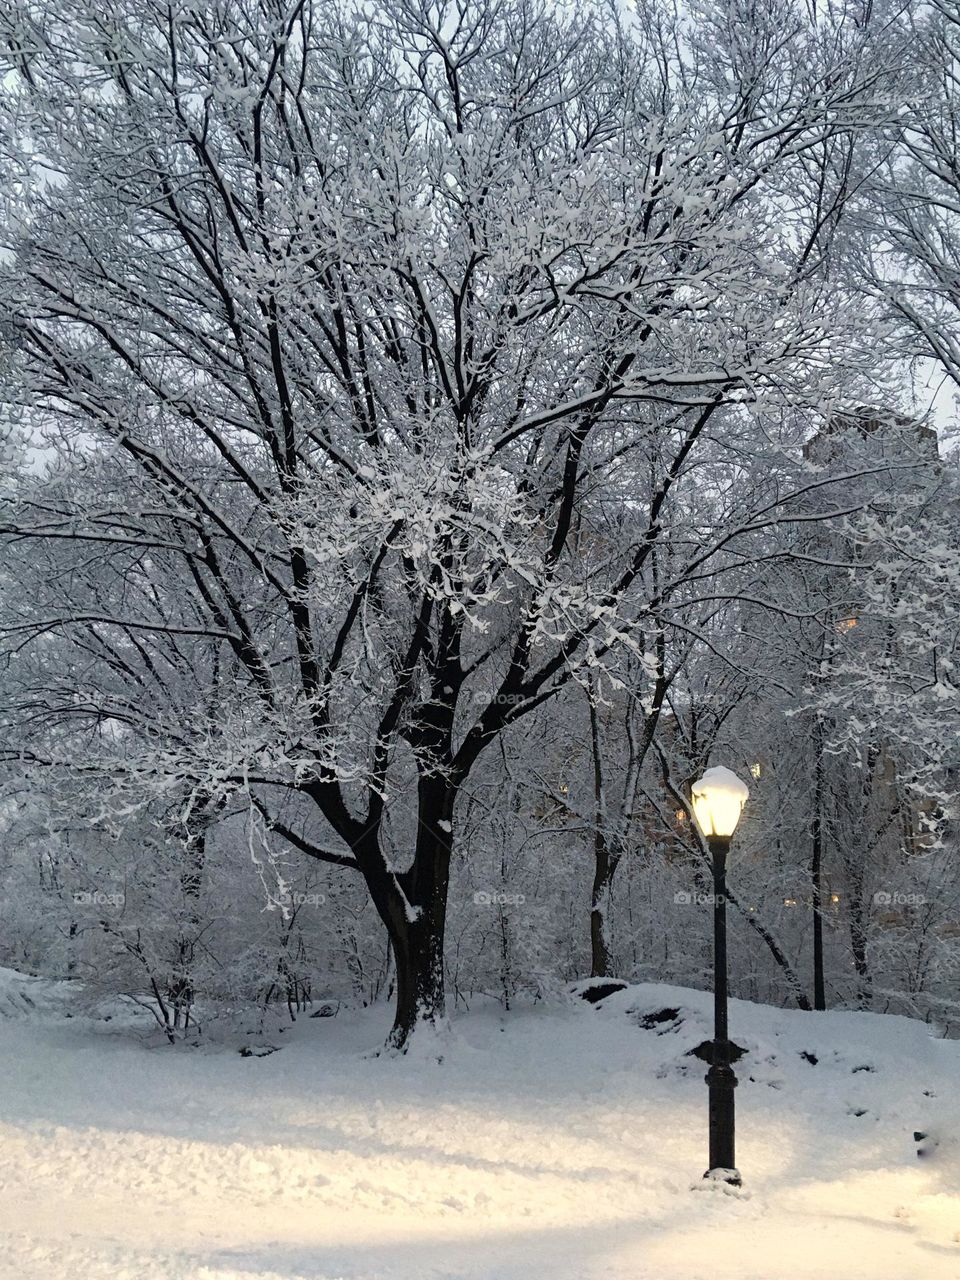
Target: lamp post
(718,800)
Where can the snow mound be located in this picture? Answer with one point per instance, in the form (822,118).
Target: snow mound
(24,996)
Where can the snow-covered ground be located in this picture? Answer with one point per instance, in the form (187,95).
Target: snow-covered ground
(561,1142)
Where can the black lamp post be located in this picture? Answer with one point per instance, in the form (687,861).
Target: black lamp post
(718,800)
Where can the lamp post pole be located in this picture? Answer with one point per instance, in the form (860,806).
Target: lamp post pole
(718,799)
(721,1078)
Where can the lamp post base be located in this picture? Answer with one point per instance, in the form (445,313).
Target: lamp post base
(728,1177)
(722,1082)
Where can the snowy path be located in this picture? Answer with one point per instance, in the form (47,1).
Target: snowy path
(554,1144)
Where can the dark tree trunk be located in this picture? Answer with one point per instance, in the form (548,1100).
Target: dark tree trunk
(816,872)
(416,918)
(608,846)
(604,864)
(419,989)
(858,922)
(858,945)
(601,960)
(858,861)
(180,989)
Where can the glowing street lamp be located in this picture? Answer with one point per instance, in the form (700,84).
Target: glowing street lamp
(718,800)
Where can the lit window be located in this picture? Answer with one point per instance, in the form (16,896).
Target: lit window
(756,770)
(681,817)
(846,624)
(564,789)
(834,897)
(789,902)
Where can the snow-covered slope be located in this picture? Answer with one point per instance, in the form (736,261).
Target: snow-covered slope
(565,1143)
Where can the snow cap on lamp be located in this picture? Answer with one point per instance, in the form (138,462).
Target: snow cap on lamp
(718,800)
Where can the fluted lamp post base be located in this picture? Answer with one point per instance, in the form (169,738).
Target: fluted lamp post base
(722,1081)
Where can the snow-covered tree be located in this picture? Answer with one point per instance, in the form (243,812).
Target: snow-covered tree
(402,339)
